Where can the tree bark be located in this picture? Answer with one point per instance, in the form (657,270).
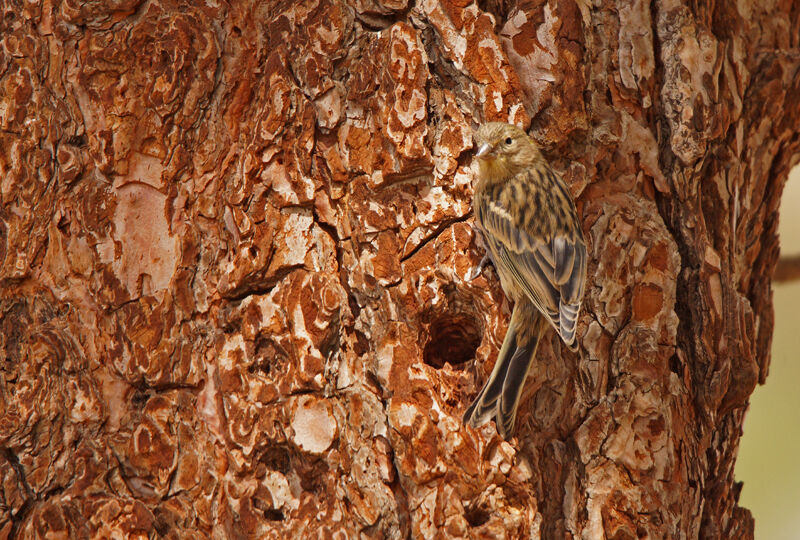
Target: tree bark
(234,249)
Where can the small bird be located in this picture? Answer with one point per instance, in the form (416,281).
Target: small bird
(533,236)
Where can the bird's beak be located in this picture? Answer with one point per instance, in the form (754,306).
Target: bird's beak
(483,151)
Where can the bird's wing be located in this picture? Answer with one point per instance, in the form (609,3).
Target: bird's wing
(551,272)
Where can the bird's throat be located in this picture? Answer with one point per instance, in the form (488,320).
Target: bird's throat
(495,170)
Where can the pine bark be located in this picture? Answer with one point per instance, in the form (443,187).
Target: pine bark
(235,242)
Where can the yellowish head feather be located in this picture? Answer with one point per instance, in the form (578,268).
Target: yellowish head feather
(502,150)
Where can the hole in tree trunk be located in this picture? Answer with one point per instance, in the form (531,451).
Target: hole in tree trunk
(453,338)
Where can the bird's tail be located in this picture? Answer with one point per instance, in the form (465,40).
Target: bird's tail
(500,395)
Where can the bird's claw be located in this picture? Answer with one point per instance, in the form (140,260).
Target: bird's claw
(475,272)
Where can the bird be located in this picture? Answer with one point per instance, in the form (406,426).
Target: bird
(532,234)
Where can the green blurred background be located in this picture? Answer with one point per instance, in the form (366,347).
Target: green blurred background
(769,455)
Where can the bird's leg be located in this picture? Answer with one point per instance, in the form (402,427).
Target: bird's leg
(484,261)
(479,269)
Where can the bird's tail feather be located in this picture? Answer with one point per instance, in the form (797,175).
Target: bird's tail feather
(484,405)
(500,395)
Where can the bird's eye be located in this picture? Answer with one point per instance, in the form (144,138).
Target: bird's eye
(508,140)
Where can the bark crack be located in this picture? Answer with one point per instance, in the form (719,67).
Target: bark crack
(26,507)
(446,224)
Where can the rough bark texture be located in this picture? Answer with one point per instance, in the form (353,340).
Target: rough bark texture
(234,242)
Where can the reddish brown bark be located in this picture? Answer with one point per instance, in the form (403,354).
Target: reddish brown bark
(234,242)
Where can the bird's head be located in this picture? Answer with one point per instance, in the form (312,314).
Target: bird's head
(503,150)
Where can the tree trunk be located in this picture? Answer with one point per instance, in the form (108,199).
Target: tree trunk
(234,249)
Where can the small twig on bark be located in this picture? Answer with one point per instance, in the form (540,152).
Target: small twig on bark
(788,269)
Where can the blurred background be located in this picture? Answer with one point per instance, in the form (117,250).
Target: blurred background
(769,454)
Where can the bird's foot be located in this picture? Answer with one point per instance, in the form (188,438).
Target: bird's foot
(478,270)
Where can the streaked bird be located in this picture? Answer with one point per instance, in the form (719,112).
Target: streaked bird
(533,236)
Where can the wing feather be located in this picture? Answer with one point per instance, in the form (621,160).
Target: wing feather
(551,272)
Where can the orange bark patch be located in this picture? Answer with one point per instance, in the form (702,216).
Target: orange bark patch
(647,302)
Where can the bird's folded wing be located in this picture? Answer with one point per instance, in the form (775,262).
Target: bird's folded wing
(552,272)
